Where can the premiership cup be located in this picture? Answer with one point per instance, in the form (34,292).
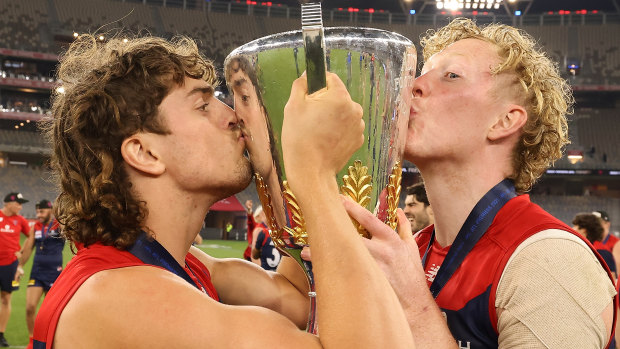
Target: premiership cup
(378,69)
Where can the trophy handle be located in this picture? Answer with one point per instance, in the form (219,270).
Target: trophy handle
(284,244)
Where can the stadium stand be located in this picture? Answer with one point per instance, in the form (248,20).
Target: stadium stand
(219,27)
(597,134)
(31,181)
(99,15)
(23,25)
(564,207)
(599,51)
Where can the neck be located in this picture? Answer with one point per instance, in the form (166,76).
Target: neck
(6,212)
(174,217)
(453,191)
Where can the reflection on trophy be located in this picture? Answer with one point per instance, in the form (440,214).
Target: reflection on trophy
(377,68)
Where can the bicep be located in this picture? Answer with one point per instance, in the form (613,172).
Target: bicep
(239,282)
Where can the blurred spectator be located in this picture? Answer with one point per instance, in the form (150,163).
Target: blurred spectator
(589,225)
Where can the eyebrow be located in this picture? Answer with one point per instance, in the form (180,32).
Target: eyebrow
(240,81)
(202,90)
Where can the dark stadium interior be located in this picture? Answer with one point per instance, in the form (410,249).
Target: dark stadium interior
(583,37)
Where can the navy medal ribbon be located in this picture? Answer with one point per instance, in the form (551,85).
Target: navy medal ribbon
(476,224)
(152,252)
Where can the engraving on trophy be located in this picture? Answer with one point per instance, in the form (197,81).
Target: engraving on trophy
(357,185)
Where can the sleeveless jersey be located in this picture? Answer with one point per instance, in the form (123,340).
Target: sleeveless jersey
(269,255)
(48,245)
(10,227)
(468,298)
(87,262)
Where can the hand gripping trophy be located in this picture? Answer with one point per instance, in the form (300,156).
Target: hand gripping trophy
(377,67)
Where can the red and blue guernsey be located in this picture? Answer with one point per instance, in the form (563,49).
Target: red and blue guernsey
(10,227)
(97,257)
(48,245)
(467,294)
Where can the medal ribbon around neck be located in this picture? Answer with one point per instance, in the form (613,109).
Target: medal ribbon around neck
(476,224)
(152,252)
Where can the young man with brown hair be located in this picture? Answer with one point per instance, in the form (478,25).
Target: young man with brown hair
(142,149)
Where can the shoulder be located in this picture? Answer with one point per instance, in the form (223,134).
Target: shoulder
(554,251)
(124,298)
(144,306)
(551,275)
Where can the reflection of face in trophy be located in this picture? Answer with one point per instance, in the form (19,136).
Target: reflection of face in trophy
(378,69)
(251,112)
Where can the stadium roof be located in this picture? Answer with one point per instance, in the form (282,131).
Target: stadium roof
(430,6)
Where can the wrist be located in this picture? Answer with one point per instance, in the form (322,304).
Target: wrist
(308,183)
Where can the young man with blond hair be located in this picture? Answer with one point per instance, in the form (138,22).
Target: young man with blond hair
(487,118)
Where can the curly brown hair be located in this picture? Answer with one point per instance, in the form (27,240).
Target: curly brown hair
(591,224)
(111,91)
(546,96)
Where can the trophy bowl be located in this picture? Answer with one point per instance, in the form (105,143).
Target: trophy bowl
(378,68)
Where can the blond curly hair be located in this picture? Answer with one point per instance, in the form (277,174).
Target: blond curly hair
(547,97)
(111,91)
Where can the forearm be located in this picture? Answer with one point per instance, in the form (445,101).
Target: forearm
(426,321)
(26,251)
(241,283)
(350,286)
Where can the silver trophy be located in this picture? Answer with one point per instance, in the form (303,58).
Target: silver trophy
(378,69)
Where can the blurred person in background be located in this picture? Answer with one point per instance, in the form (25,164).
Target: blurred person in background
(11,225)
(264,251)
(251,225)
(610,241)
(417,208)
(589,225)
(47,263)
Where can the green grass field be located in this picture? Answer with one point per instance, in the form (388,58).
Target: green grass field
(17,332)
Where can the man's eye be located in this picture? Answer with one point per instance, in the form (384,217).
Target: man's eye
(203,107)
(452,75)
(245,98)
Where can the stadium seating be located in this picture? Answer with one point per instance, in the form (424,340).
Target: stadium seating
(31,181)
(566,207)
(100,16)
(23,25)
(598,130)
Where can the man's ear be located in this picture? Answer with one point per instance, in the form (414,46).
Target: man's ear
(508,123)
(137,153)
